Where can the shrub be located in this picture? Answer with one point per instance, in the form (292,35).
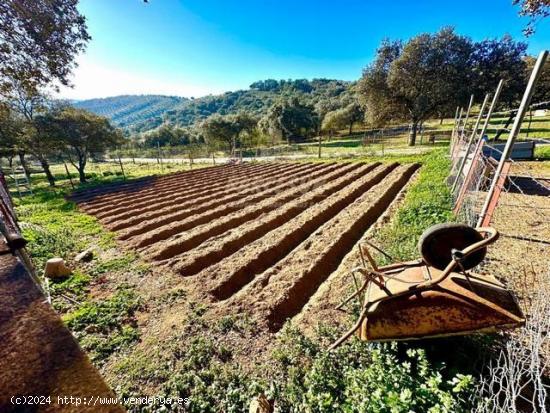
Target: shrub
(360,377)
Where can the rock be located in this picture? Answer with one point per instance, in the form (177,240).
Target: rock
(260,404)
(85,256)
(56,268)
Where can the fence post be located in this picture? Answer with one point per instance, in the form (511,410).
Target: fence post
(319,156)
(471,140)
(455,121)
(484,218)
(160,158)
(455,133)
(478,148)
(121,167)
(467,116)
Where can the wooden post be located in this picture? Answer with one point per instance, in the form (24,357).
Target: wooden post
(525,102)
(68,174)
(319,146)
(213,159)
(160,158)
(121,167)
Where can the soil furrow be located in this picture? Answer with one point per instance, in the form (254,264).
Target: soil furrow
(121,189)
(171,225)
(126,197)
(281,292)
(211,252)
(234,272)
(197,184)
(133,215)
(181,184)
(197,235)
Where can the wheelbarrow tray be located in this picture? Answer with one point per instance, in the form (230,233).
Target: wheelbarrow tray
(457,305)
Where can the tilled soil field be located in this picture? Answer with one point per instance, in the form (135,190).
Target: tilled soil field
(260,239)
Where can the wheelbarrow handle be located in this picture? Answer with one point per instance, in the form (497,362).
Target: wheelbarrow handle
(493,236)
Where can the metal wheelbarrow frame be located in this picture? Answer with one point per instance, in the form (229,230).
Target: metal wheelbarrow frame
(414,300)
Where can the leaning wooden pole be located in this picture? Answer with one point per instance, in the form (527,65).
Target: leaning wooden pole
(466,118)
(484,217)
(491,109)
(470,141)
(454,136)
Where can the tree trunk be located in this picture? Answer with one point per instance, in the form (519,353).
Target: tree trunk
(24,165)
(49,176)
(350,128)
(81,172)
(412,134)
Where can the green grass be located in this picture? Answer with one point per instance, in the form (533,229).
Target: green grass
(542,152)
(426,203)
(55,227)
(102,327)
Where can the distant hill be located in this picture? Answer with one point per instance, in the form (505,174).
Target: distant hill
(140,113)
(132,111)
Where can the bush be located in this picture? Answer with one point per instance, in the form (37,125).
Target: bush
(360,377)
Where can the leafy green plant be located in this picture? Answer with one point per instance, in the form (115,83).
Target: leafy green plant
(105,326)
(210,383)
(106,314)
(359,377)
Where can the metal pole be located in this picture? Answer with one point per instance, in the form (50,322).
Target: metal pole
(472,137)
(486,123)
(455,133)
(454,123)
(525,102)
(491,108)
(467,116)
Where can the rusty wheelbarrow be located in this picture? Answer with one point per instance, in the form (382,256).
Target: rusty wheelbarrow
(434,296)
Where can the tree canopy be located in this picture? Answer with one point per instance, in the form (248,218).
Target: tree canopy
(431,74)
(82,135)
(535,9)
(290,119)
(39,40)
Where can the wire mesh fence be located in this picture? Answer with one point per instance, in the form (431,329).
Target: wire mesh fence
(500,186)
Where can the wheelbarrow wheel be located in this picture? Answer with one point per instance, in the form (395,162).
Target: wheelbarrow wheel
(437,243)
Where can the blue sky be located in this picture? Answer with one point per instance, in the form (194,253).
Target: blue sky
(197,47)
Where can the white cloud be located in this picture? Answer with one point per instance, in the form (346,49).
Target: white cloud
(92,80)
